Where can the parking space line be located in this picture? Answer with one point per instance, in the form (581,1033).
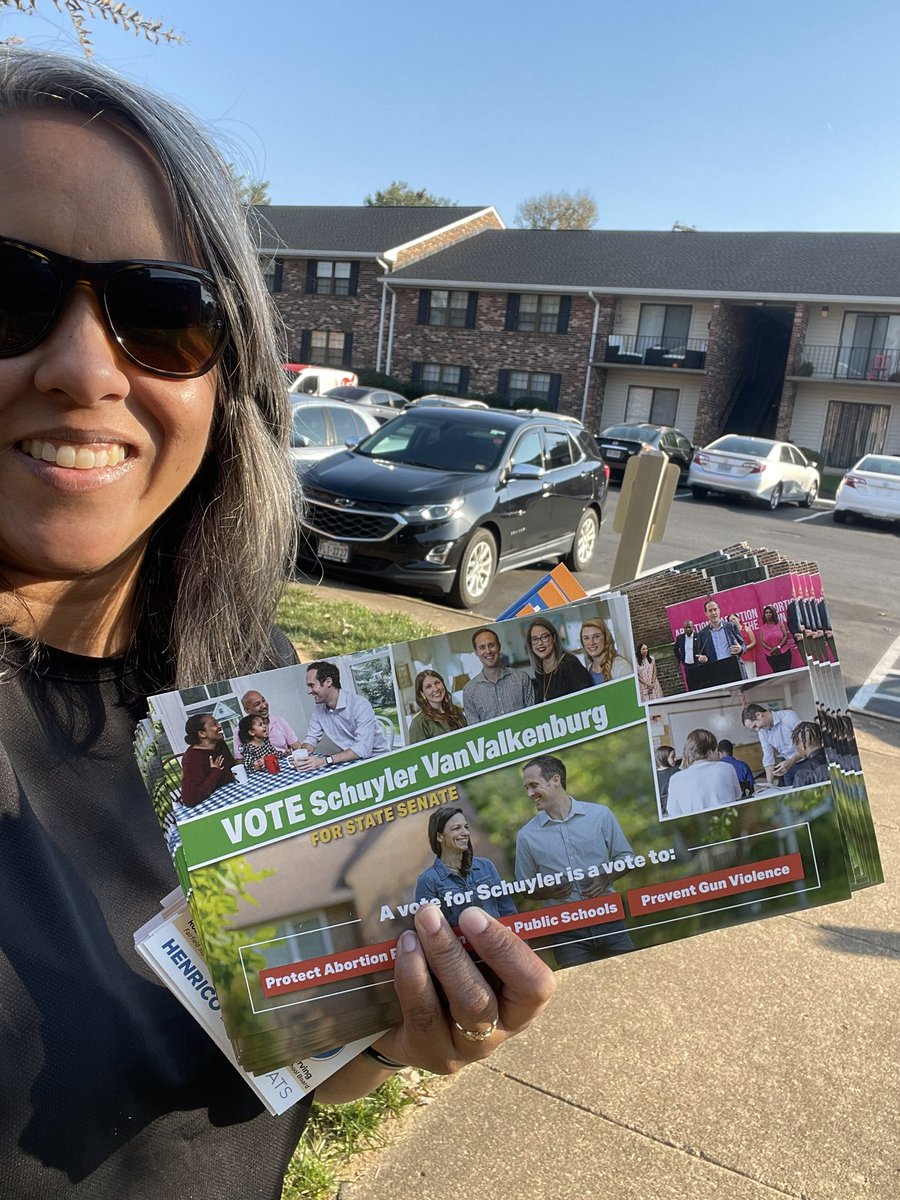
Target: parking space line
(884,670)
(812,516)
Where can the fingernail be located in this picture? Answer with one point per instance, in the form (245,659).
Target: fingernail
(429,918)
(474,919)
(408,942)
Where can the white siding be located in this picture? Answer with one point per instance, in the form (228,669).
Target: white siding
(628,312)
(811,408)
(616,396)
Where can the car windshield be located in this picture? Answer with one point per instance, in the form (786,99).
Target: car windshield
(757,447)
(637,433)
(880,465)
(442,442)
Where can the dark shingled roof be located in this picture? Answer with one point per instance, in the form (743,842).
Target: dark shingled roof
(767,264)
(358,229)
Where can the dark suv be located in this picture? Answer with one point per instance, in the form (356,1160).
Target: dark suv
(441,499)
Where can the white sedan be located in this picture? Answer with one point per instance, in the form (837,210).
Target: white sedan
(870,489)
(767,471)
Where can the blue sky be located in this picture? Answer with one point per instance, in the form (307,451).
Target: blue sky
(770,115)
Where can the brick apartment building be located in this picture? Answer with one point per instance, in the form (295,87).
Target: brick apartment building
(790,335)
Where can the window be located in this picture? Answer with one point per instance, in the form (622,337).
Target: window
(273,272)
(445,308)
(535,389)
(308,427)
(326,277)
(658,406)
(326,347)
(870,346)
(663,326)
(530,313)
(852,430)
(348,425)
(442,377)
(559,448)
(528,451)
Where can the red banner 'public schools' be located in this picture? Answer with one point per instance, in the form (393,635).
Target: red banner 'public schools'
(573,915)
(695,889)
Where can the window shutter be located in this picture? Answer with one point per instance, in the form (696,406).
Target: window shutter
(424,305)
(304,345)
(354,279)
(512,310)
(471,310)
(347,356)
(562,320)
(310,275)
(553,393)
(463,380)
(417,372)
(278,276)
(503,383)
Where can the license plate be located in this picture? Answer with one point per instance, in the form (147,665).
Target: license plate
(334,551)
(614,453)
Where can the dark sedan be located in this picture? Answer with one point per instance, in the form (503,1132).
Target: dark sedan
(618,443)
(441,499)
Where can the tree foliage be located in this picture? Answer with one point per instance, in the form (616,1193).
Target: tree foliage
(558,210)
(249,191)
(79,11)
(398,193)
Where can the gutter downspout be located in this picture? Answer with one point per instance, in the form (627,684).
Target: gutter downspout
(390,345)
(593,346)
(384,266)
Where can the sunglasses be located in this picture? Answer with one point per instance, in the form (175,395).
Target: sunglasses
(165,317)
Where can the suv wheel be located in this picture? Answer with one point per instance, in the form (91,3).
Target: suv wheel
(476,571)
(584,542)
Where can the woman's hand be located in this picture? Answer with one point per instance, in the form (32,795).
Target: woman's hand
(431,1037)
(217,761)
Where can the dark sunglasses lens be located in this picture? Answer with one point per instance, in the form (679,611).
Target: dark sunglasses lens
(167,320)
(29,294)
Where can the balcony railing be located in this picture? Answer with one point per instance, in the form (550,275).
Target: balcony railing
(646,350)
(851,362)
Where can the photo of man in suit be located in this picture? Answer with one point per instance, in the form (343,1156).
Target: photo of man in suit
(687,651)
(720,649)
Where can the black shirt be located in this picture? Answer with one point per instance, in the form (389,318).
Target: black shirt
(108,1087)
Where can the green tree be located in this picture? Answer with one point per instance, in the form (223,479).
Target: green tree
(400,193)
(250,191)
(79,11)
(558,210)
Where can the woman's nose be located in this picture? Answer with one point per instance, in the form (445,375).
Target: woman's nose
(79,358)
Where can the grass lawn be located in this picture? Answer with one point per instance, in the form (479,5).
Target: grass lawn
(321,628)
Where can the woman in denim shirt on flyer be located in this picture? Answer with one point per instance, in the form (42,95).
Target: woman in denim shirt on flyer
(455,873)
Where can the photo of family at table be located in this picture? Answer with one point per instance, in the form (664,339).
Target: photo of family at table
(736,744)
(453,680)
(248,735)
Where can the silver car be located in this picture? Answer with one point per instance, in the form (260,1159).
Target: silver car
(320,427)
(870,489)
(767,471)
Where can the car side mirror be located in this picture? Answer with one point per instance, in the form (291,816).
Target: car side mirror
(524,471)
(300,442)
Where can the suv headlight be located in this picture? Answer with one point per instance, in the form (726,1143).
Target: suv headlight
(432,512)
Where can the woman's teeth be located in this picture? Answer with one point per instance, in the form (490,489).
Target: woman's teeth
(82,458)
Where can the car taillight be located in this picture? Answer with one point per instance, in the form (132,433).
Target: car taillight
(702,460)
(754,468)
(606,472)
(853,481)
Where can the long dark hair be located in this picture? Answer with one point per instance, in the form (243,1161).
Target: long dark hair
(436,823)
(193,727)
(769,609)
(558,651)
(452,716)
(215,560)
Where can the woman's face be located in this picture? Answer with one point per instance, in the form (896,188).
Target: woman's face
(455,834)
(211,730)
(644,651)
(593,639)
(541,640)
(769,615)
(85,189)
(671,760)
(434,691)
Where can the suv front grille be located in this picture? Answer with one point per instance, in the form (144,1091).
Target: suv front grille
(348,524)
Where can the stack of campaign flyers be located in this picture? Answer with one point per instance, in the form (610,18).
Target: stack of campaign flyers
(573,768)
